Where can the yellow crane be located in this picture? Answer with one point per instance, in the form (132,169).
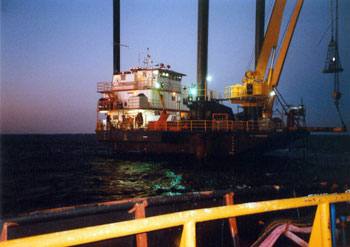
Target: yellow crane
(257,93)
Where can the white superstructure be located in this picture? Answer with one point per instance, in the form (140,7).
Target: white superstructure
(140,95)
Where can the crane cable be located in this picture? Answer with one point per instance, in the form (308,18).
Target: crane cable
(284,32)
(341,118)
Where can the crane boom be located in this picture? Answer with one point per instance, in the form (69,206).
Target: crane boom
(271,38)
(285,46)
(255,95)
(282,55)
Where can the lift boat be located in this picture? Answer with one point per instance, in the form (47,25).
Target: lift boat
(146,110)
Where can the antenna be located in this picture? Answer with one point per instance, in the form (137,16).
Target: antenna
(147,62)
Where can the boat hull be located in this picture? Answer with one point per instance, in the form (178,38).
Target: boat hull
(199,144)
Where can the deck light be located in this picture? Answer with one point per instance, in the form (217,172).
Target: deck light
(157,85)
(193,91)
(208,78)
(272,93)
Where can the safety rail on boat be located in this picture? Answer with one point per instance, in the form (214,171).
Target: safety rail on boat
(106,87)
(212,125)
(132,103)
(199,125)
(320,234)
(103,87)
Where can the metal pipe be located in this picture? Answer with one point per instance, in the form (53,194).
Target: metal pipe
(343,232)
(202,47)
(333,225)
(116,36)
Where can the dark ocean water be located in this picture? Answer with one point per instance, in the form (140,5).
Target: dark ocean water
(49,171)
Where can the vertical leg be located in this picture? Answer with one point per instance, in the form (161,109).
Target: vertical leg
(321,233)
(140,213)
(188,238)
(333,225)
(3,236)
(232,221)
(343,232)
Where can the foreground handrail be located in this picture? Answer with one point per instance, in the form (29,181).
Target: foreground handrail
(320,235)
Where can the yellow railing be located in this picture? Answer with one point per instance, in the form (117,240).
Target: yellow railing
(320,235)
(235,91)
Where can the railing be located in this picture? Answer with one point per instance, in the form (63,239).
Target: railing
(240,91)
(212,125)
(200,125)
(320,234)
(133,85)
(131,104)
(103,87)
(206,93)
(235,91)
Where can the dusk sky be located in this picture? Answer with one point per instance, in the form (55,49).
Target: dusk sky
(53,52)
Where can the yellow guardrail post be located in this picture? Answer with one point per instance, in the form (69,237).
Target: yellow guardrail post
(188,237)
(321,232)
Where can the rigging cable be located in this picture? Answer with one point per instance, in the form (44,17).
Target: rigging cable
(284,32)
(285,106)
(341,118)
(280,99)
(324,34)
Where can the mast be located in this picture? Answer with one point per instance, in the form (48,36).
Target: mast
(116,36)
(259,28)
(202,48)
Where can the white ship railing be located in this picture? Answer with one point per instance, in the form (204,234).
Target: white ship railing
(107,87)
(200,126)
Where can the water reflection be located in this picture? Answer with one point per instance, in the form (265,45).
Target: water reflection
(49,171)
(116,179)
